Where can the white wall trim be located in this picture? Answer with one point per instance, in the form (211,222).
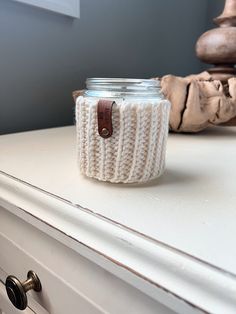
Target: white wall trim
(66,7)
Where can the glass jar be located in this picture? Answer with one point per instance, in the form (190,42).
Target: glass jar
(122,128)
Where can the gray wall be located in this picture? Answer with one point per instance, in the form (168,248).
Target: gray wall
(214,9)
(45,56)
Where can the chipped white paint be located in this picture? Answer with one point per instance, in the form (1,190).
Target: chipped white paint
(188,208)
(45,159)
(82,284)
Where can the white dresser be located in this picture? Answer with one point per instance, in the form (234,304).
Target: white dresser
(165,247)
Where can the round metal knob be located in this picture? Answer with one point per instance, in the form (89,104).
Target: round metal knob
(16,290)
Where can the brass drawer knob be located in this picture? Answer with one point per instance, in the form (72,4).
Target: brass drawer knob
(16,290)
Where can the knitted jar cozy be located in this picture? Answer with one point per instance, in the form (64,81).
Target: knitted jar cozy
(136,150)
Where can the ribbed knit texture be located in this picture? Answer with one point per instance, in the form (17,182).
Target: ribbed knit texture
(136,150)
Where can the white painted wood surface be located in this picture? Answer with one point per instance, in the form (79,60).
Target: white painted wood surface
(69,281)
(186,210)
(67,7)
(117,250)
(57,295)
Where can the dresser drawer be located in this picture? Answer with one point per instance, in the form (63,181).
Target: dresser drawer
(17,258)
(70,283)
(56,297)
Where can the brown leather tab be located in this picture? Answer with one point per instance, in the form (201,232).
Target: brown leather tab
(104,114)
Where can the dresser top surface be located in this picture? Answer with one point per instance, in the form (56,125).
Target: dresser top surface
(192,207)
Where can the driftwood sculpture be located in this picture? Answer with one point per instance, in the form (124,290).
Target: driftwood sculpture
(198,101)
(208,98)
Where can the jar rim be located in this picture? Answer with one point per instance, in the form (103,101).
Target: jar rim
(122,87)
(128,81)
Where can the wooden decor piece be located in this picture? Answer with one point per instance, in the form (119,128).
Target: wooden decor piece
(218,46)
(198,101)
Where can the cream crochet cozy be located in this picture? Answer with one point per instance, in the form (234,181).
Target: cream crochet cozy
(136,150)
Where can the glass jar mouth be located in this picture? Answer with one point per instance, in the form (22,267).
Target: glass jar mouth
(123,87)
